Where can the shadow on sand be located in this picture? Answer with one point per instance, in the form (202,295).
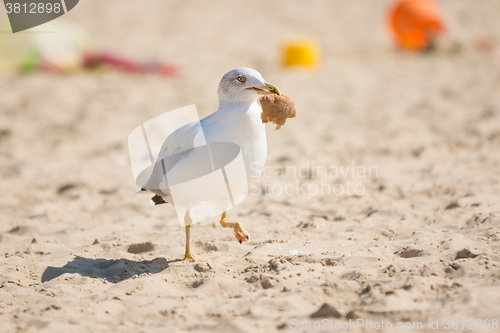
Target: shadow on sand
(112,271)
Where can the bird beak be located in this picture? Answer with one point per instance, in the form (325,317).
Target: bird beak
(266,89)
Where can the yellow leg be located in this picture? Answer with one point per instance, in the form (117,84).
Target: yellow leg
(241,234)
(189,256)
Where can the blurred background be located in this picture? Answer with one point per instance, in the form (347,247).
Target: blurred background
(362,74)
(364,95)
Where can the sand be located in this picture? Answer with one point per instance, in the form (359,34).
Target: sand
(421,132)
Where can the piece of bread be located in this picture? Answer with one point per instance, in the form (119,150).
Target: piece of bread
(277,109)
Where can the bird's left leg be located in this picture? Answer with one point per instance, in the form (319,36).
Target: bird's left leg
(241,234)
(189,256)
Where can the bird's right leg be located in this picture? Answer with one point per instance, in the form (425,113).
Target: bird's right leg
(241,234)
(189,256)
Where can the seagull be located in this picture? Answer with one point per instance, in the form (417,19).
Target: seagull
(237,120)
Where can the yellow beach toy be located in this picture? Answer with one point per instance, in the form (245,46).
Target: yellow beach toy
(302,53)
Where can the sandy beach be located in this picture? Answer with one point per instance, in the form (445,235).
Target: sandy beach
(379,201)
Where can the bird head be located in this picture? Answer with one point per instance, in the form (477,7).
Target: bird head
(244,85)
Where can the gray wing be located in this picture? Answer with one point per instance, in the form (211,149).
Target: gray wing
(185,138)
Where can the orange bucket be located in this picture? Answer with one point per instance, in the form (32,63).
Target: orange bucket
(414,23)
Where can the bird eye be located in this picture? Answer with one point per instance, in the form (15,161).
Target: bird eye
(241,79)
